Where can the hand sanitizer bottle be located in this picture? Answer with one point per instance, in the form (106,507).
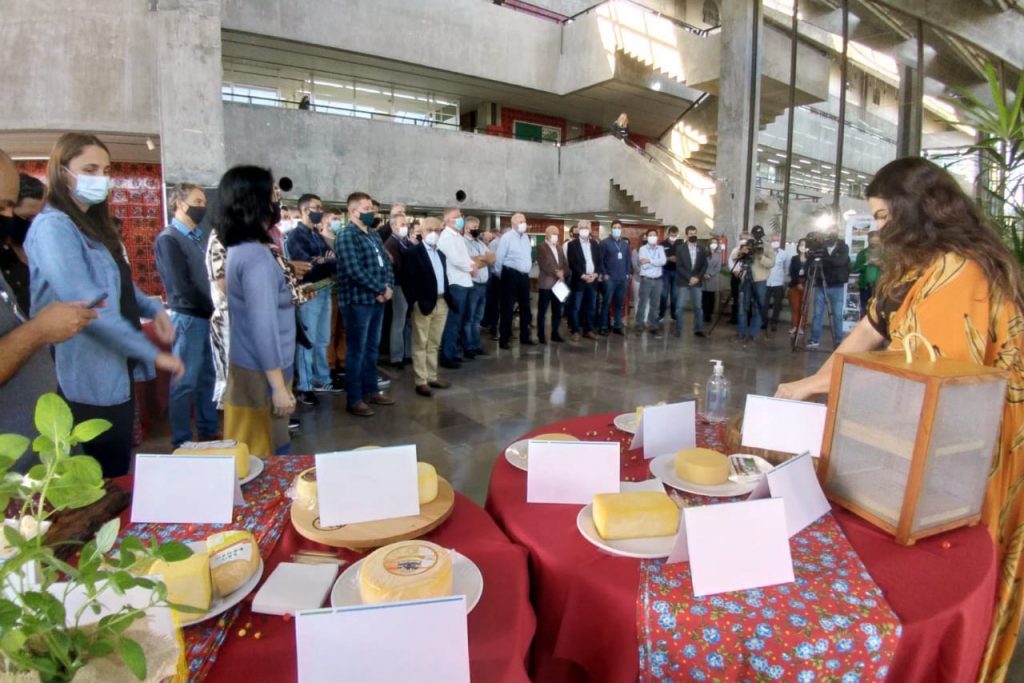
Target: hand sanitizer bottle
(716,395)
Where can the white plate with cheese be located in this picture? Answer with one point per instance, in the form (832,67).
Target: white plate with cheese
(220,605)
(518,454)
(256,466)
(466,580)
(664,467)
(627,422)
(652,548)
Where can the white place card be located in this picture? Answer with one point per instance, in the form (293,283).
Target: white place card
(384,643)
(796,482)
(647,485)
(183,489)
(663,430)
(367,485)
(777,424)
(561,291)
(294,587)
(571,471)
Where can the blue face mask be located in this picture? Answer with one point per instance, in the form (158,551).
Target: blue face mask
(315,217)
(366,218)
(460,223)
(336,226)
(91,189)
(616,232)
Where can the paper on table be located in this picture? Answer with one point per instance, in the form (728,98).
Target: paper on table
(294,587)
(736,546)
(183,489)
(777,424)
(561,291)
(795,482)
(571,471)
(663,430)
(367,485)
(424,641)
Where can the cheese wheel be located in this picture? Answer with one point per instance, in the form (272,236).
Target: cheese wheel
(407,570)
(305,488)
(234,558)
(305,485)
(702,466)
(638,514)
(187,581)
(427,481)
(240,451)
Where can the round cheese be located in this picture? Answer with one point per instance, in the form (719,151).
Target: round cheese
(305,488)
(427,481)
(234,558)
(407,570)
(702,466)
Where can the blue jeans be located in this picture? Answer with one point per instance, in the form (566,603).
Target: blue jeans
(455,322)
(192,345)
(753,296)
(476,302)
(835,295)
(362,345)
(668,294)
(614,299)
(696,297)
(583,299)
(315,315)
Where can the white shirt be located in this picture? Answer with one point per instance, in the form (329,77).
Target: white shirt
(452,244)
(777,277)
(587,257)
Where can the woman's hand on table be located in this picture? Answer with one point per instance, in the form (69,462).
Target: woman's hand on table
(171,364)
(799,390)
(284,402)
(163,328)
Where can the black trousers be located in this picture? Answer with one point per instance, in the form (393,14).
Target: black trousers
(545,298)
(112,448)
(515,288)
(774,305)
(707,302)
(492,305)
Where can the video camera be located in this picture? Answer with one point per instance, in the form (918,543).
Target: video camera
(754,245)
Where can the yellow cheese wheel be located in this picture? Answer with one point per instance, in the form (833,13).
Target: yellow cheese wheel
(234,558)
(187,581)
(702,466)
(639,514)
(239,450)
(305,487)
(427,481)
(555,436)
(407,570)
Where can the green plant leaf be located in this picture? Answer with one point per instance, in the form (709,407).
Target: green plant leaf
(43,444)
(173,551)
(13,446)
(133,656)
(53,417)
(107,534)
(13,640)
(9,614)
(101,648)
(89,430)
(45,604)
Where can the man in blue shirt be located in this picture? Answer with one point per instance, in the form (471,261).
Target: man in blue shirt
(181,260)
(618,266)
(513,260)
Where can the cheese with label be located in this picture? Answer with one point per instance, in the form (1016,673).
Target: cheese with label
(639,514)
(702,466)
(240,451)
(187,581)
(305,488)
(427,480)
(234,558)
(407,570)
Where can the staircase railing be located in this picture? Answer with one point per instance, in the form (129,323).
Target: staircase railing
(693,105)
(550,15)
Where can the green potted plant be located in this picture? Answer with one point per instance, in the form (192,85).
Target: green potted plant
(56,621)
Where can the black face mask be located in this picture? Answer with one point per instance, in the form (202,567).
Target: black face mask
(14,228)
(315,217)
(275,215)
(474,233)
(376,222)
(196,214)
(691,238)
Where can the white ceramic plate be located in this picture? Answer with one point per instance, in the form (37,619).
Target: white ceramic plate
(466,580)
(651,548)
(255,469)
(762,465)
(664,468)
(221,605)
(626,423)
(518,454)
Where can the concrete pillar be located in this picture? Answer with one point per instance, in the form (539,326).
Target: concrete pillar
(908,130)
(739,103)
(188,49)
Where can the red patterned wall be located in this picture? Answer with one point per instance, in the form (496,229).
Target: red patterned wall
(137,199)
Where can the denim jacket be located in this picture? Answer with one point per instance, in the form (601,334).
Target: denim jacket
(66,265)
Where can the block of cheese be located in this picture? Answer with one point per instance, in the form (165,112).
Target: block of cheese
(234,558)
(639,414)
(427,479)
(702,466)
(305,488)
(187,581)
(240,451)
(639,514)
(407,570)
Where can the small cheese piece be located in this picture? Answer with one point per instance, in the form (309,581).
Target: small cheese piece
(639,414)
(240,451)
(427,476)
(305,488)
(187,581)
(702,466)
(639,514)
(234,558)
(407,570)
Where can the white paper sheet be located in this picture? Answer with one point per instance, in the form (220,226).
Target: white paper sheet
(571,471)
(425,642)
(183,489)
(294,587)
(795,482)
(663,430)
(368,485)
(561,291)
(777,424)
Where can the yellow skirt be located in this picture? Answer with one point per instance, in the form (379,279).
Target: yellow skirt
(249,413)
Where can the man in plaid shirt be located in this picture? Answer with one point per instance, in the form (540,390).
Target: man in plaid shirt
(365,283)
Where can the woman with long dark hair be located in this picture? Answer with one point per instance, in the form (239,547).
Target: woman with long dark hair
(261,345)
(797,280)
(947,275)
(75,253)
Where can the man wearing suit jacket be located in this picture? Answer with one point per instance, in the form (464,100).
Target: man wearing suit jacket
(585,272)
(429,295)
(691,266)
(553,267)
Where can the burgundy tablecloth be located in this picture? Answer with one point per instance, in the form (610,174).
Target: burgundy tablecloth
(943,589)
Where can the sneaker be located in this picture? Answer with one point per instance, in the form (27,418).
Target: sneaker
(293,424)
(792,331)
(383,382)
(329,388)
(811,345)
(308,398)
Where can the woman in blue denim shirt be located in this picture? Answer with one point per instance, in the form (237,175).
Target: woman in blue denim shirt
(75,253)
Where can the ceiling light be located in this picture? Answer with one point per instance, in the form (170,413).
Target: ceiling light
(656,85)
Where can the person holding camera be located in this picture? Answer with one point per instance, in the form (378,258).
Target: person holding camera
(751,264)
(834,255)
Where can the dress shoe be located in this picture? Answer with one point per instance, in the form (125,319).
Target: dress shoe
(308,398)
(424,390)
(618,331)
(603,333)
(527,342)
(574,337)
(698,334)
(638,331)
(504,345)
(655,332)
(360,410)
(469,355)
(381,399)
(480,352)
(439,384)
(589,335)
(449,364)
(557,339)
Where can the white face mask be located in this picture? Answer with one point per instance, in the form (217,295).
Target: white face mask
(553,239)
(286,225)
(403,231)
(775,245)
(652,240)
(431,239)
(672,238)
(714,246)
(521,227)
(584,233)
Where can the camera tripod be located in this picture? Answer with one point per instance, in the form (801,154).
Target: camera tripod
(815,278)
(742,271)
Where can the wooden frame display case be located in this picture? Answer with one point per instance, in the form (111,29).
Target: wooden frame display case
(909,442)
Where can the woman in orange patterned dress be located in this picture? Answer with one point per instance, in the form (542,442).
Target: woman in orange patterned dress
(948,275)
